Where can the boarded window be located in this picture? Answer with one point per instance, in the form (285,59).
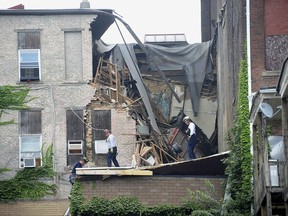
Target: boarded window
(75,135)
(28,40)
(73,56)
(101,119)
(31,122)
(30,139)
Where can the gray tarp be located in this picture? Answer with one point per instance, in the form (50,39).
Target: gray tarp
(194,59)
(102,47)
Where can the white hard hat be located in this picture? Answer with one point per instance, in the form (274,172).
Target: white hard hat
(186,118)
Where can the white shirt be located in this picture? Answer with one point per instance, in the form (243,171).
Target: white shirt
(192,128)
(111,141)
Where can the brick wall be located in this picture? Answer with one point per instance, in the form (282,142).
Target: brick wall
(124,129)
(54,94)
(47,208)
(151,190)
(258,48)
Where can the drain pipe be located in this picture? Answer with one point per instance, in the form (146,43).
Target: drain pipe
(67,212)
(248,51)
(249,77)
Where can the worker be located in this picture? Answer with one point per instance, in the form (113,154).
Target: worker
(79,164)
(112,148)
(191,132)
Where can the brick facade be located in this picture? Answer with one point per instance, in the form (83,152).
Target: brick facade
(63,86)
(25,208)
(152,190)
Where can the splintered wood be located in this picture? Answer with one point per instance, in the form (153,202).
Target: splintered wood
(150,147)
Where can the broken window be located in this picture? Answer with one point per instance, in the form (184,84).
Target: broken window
(30,138)
(75,135)
(29,55)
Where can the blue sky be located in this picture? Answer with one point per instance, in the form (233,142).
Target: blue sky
(143,16)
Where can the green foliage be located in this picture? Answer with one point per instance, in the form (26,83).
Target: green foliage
(13,98)
(201,213)
(27,183)
(197,202)
(77,199)
(203,200)
(165,209)
(239,162)
(4,170)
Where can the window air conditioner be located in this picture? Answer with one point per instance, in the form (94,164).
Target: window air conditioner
(101,147)
(29,162)
(75,147)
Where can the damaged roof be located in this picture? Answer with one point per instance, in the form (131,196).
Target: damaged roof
(207,166)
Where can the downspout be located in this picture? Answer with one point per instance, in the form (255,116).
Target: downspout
(250,96)
(248,52)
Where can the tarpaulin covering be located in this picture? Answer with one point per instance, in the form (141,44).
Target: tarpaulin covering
(193,59)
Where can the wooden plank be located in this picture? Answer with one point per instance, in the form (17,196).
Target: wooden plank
(145,150)
(157,157)
(137,154)
(129,172)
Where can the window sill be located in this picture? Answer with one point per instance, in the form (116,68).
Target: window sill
(29,82)
(270,73)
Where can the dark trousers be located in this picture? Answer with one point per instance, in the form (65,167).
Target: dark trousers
(191,146)
(111,157)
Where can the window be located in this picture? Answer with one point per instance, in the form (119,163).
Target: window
(29,61)
(75,135)
(29,55)
(30,138)
(30,150)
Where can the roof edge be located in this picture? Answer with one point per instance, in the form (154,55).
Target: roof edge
(54,11)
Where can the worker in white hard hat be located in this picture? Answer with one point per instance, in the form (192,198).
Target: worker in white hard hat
(191,132)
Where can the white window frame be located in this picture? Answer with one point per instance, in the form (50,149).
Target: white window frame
(29,64)
(34,153)
(75,145)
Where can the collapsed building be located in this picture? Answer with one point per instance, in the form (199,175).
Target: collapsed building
(132,79)
(141,92)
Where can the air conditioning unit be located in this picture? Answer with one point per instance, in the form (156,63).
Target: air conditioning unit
(75,147)
(101,147)
(29,162)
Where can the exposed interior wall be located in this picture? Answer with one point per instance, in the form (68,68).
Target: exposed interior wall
(206,118)
(122,126)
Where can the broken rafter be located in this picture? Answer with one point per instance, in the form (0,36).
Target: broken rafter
(165,152)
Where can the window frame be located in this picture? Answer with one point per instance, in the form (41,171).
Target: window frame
(33,153)
(38,64)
